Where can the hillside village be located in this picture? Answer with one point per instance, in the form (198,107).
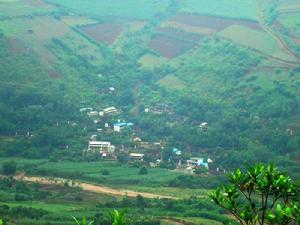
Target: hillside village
(138,151)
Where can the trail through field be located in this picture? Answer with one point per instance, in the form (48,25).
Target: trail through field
(281,43)
(89,187)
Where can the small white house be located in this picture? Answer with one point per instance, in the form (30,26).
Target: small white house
(92,113)
(120,126)
(136,156)
(110,110)
(204,126)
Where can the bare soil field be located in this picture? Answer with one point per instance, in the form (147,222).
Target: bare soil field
(216,23)
(179,34)
(169,47)
(104,32)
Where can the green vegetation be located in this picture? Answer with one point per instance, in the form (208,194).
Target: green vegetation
(257,40)
(245,9)
(137,9)
(236,71)
(261,195)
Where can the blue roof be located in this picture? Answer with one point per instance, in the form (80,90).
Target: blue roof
(123,124)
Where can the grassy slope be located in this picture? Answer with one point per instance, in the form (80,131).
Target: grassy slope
(140,9)
(246,9)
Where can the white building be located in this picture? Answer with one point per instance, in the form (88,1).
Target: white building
(136,156)
(102,147)
(110,110)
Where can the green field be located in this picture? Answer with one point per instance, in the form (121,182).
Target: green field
(246,9)
(257,40)
(150,61)
(17,8)
(137,9)
(171,82)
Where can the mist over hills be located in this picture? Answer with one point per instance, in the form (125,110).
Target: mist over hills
(218,80)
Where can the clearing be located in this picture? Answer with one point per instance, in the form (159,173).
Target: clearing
(169,47)
(103,32)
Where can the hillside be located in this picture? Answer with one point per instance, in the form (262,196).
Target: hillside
(217,80)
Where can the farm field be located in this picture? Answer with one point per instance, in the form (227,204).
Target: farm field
(257,40)
(150,61)
(21,8)
(105,32)
(109,104)
(134,9)
(246,9)
(78,20)
(169,47)
(118,174)
(212,22)
(179,34)
(171,82)
(187,28)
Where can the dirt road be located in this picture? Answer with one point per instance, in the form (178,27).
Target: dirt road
(280,42)
(89,187)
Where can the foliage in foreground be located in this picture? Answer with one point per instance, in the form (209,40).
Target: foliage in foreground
(118,218)
(261,195)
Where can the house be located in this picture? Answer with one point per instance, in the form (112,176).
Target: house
(120,126)
(85,109)
(137,139)
(160,108)
(110,110)
(92,113)
(204,126)
(111,89)
(103,147)
(194,162)
(136,156)
(176,151)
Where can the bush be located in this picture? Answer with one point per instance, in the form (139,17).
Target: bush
(143,171)
(9,168)
(105,172)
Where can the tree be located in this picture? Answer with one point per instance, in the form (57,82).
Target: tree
(9,168)
(143,171)
(261,195)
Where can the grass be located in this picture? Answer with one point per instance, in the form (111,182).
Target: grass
(245,9)
(188,28)
(169,191)
(54,208)
(290,21)
(43,30)
(137,9)
(78,20)
(119,174)
(171,82)
(13,8)
(254,39)
(150,61)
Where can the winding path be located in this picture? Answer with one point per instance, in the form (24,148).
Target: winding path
(280,42)
(89,187)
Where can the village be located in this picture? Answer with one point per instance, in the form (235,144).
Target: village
(138,151)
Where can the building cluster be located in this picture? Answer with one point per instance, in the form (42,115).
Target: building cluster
(150,153)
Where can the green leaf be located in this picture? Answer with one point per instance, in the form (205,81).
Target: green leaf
(279,209)
(271,217)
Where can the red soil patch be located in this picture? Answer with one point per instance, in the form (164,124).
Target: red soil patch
(180,34)
(216,23)
(169,47)
(104,32)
